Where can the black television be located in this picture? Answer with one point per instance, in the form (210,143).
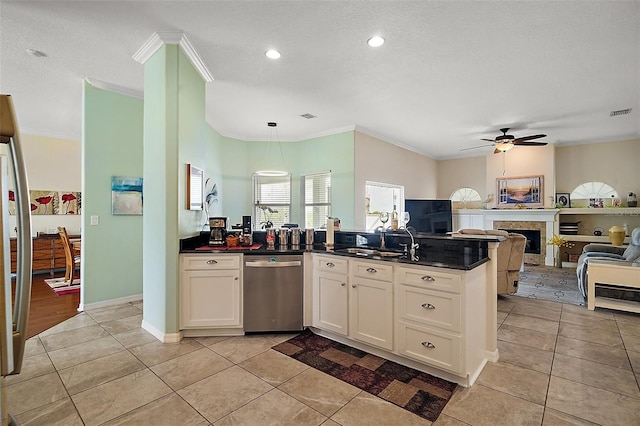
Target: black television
(429,216)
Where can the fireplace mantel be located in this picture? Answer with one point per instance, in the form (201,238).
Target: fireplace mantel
(543,215)
(476,218)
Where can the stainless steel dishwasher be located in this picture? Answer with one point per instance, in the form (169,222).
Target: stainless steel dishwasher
(272,293)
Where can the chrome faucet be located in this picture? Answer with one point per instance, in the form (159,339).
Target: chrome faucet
(412,248)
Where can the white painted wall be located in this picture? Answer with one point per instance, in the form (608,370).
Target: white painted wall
(462,173)
(52,164)
(523,161)
(614,163)
(379,161)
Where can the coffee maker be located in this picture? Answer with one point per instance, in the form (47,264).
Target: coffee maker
(218,226)
(247,232)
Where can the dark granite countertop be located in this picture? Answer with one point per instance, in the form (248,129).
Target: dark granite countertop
(459,256)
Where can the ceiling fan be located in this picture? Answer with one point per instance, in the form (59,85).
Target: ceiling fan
(505,142)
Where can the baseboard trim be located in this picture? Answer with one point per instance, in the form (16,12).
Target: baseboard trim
(110,302)
(163,337)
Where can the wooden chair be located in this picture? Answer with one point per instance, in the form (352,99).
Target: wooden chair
(71,261)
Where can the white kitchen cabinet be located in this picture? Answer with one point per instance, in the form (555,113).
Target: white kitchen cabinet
(440,318)
(330,294)
(371,303)
(429,318)
(210,291)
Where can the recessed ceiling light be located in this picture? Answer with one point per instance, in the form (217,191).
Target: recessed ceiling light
(375,41)
(272,54)
(36,53)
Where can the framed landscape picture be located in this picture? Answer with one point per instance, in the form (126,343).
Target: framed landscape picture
(520,192)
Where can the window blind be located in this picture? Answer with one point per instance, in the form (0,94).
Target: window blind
(271,200)
(317,199)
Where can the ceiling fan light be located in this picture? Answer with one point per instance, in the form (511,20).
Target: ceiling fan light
(504,147)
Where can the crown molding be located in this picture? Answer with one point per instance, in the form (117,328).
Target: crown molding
(160,38)
(98,84)
(329,132)
(299,139)
(373,134)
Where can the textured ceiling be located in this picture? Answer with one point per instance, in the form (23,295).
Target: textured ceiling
(449,73)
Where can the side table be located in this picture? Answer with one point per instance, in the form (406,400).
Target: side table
(612,274)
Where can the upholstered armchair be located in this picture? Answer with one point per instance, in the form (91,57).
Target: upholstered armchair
(510,257)
(605,251)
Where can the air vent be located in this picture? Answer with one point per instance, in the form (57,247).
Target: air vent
(620,112)
(36,53)
(308,116)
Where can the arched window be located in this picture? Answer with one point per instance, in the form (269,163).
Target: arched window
(593,194)
(463,198)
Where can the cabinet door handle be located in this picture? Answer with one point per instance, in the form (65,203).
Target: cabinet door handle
(428,345)
(428,278)
(372,270)
(331,264)
(211,262)
(343,284)
(353,286)
(428,306)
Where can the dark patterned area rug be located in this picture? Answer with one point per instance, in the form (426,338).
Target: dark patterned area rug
(550,283)
(413,390)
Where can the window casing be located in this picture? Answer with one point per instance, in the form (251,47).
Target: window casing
(271,201)
(316,198)
(381,197)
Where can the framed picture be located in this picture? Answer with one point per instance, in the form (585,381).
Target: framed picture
(126,195)
(195,188)
(563,200)
(597,203)
(520,192)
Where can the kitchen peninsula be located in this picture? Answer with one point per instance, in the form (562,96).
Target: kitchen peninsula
(436,314)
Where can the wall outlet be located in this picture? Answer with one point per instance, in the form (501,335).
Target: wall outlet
(95,220)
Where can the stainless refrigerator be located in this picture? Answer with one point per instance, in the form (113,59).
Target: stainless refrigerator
(13,315)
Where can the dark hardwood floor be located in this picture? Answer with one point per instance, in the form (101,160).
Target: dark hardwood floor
(48,309)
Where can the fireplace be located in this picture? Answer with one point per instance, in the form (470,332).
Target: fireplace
(533,239)
(522,220)
(536,249)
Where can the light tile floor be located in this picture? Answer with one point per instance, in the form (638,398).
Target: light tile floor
(559,364)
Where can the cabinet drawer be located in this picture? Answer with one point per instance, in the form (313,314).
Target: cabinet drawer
(430,279)
(433,347)
(429,307)
(333,264)
(208,262)
(376,271)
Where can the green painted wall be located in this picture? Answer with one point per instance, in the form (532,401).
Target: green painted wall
(160,269)
(334,152)
(111,146)
(175,134)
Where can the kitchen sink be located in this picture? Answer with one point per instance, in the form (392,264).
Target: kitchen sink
(358,251)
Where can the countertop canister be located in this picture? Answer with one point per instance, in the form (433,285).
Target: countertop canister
(616,235)
(308,236)
(295,236)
